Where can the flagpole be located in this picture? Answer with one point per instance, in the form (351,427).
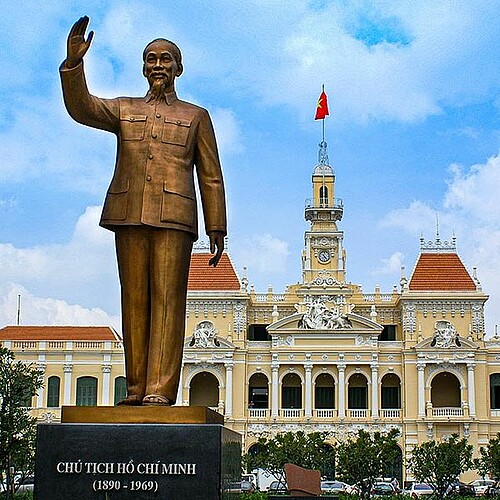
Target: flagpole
(322,90)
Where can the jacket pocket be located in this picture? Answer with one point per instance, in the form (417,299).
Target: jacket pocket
(175,131)
(178,208)
(116,203)
(132,127)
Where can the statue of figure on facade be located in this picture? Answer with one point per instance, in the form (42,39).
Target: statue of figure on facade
(445,335)
(151,206)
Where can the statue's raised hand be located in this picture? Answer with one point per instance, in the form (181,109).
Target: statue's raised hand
(77,46)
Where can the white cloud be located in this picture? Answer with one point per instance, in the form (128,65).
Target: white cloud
(262,254)
(83,271)
(227,130)
(476,191)
(47,311)
(391,265)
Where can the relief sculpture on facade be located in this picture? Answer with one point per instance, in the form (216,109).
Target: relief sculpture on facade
(318,317)
(445,335)
(205,335)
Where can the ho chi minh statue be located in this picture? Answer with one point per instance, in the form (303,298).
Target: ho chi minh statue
(151,206)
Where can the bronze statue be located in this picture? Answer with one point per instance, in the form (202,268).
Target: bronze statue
(151,206)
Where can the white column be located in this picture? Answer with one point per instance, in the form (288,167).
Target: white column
(471,389)
(374,368)
(274,390)
(341,391)
(308,390)
(40,399)
(178,400)
(229,389)
(68,370)
(421,389)
(106,386)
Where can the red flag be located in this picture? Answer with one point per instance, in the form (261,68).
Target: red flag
(322,107)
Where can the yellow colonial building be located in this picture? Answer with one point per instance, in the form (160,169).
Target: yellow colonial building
(322,356)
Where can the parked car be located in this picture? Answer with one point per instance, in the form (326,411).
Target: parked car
(391,480)
(334,487)
(493,490)
(417,490)
(26,484)
(383,489)
(240,487)
(481,485)
(277,487)
(460,489)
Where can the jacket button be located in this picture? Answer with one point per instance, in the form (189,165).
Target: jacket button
(178,122)
(154,136)
(148,178)
(158,115)
(150,157)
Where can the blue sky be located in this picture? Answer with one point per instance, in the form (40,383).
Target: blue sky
(414,96)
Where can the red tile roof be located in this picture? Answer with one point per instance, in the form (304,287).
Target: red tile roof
(93,333)
(220,278)
(441,272)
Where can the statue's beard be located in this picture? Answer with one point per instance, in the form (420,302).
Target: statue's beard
(156,91)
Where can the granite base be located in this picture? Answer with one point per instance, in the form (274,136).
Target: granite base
(136,461)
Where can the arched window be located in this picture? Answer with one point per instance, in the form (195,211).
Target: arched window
(291,391)
(445,391)
(323,196)
(204,390)
(358,392)
(495,391)
(86,391)
(391,391)
(258,391)
(53,388)
(324,392)
(120,389)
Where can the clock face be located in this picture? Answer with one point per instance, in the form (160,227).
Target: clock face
(324,256)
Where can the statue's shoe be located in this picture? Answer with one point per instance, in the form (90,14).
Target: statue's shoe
(130,401)
(157,400)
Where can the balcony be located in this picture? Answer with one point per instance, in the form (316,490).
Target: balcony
(291,412)
(258,412)
(324,211)
(357,413)
(329,413)
(447,412)
(390,413)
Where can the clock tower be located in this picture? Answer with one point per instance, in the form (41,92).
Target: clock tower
(323,259)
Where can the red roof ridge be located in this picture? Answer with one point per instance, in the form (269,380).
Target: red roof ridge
(441,271)
(203,277)
(59,332)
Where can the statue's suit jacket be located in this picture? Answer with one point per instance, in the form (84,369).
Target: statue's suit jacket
(158,147)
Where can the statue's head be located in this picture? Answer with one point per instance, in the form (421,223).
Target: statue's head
(162,63)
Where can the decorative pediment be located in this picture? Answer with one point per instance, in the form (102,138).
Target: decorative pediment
(427,345)
(446,337)
(352,323)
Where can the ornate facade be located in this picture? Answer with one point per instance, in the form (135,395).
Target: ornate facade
(321,356)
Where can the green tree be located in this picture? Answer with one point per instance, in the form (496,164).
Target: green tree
(306,450)
(19,382)
(362,460)
(489,461)
(441,463)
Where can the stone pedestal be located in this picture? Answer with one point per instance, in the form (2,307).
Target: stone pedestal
(118,461)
